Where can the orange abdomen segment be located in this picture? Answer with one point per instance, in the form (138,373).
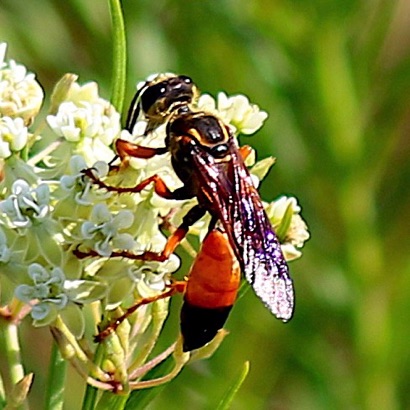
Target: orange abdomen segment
(215,275)
(210,292)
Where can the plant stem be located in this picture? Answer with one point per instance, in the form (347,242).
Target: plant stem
(56,380)
(91,392)
(13,353)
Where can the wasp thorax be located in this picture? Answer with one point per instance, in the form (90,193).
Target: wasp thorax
(210,129)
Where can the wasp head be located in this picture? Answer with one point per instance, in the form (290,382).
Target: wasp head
(163,96)
(160,97)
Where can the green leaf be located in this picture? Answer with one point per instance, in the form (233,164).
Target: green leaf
(284,225)
(226,401)
(112,401)
(262,167)
(139,399)
(56,380)
(119,55)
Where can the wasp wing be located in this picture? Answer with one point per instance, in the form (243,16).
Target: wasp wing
(228,187)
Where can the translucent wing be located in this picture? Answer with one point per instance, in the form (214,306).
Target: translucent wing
(234,200)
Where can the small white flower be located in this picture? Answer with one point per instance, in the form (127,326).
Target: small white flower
(153,275)
(13,136)
(26,205)
(20,94)
(103,230)
(87,121)
(80,94)
(245,117)
(289,225)
(51,292)
(81,188)
(47,289)
(92,125)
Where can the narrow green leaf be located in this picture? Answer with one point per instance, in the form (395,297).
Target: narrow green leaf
(56,380)
(230,394)
(284,225)
(119,55)
(243,289)
(90,395)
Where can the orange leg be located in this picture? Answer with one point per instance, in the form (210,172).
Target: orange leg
(129,149)
(193,215)
(245,151)
(175,287)
(159,185)
(173,241)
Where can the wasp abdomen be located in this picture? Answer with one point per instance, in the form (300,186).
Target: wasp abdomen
(211,291)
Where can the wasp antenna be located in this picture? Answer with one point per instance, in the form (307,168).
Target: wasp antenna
(134,111)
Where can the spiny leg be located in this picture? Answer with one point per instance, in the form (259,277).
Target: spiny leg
(175,287)
(193,215)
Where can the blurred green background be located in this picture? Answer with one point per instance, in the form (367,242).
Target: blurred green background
(334,76)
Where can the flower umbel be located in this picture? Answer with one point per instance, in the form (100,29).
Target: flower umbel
(71,247)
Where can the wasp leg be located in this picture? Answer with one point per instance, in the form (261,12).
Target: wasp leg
(174,287)
(160,187)
(173,241)
(245,151)
(129,149)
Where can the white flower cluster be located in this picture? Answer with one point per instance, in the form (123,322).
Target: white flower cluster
(20,94)
(243,116)
(88,121)
(284,214)
(68,240)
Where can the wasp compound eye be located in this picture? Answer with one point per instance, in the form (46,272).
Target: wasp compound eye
(151,96)
(185,79)
(219,151)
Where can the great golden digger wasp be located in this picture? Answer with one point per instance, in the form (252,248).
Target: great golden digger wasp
(206,158)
